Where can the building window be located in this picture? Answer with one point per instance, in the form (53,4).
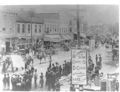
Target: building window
(18,28)
(50,27)
(39,28)
(35,28)
(70,29)
(55,29)
(23,28)
(28,28)
(3,29)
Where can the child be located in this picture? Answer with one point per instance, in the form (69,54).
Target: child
(41,80)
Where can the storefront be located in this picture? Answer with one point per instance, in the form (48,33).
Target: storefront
(51,40)
(8,42)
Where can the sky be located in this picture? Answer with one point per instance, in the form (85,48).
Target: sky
(92,14)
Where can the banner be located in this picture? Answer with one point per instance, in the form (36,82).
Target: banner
(79,61)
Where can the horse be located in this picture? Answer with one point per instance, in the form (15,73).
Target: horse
(42,55)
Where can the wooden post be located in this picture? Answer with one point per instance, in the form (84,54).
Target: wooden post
(78,27)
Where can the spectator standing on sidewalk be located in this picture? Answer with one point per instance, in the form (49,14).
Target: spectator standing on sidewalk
(8,81)
(32,69)
(100,60)
(41,80)
(60,71)
(53,68)
(46,76)
(53,75)
(50,56)
(63,70)
(96,59)
(49,79)
(4,81)
(35,79)
(50,65)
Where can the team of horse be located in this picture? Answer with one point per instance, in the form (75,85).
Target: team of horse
(41,55)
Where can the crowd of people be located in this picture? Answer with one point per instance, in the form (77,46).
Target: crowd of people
(20,81)
(23,82)
(93,69)
(55,72)
(30,78)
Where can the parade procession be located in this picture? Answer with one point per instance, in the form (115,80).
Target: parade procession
(42,50)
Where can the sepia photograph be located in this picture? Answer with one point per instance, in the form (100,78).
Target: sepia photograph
(59,47)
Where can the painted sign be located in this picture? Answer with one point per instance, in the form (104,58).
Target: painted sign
(79,60)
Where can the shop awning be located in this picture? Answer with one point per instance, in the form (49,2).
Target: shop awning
(66,37)
(3,35)
(69,37)
(55,40)
(46,39)
(52,38)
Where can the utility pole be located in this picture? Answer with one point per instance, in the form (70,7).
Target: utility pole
(31,33)
(31,13)
(78,27)
(43,38)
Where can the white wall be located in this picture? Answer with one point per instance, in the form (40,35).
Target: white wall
(27,34)
(7,21)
